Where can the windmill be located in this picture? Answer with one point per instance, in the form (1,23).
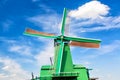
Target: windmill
(63,67)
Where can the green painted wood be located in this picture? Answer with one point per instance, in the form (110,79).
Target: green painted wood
(38,35)
(59,58)
(62,58)
(63,21)
(67,63)
(82,39)
(82,72)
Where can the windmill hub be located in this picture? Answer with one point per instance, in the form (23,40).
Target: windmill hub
(62,36)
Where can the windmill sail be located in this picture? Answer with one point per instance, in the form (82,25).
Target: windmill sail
(84,44)
(32,32)
(63,21)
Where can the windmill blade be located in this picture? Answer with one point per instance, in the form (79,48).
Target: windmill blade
(90,43)
(32,32)
(82,40)
(63,21)
(67,26)
(84,44)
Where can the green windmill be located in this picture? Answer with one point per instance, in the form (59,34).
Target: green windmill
(63,67)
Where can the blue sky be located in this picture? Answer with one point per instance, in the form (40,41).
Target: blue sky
(20,54)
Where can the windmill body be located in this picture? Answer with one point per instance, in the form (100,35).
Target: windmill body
(63,67)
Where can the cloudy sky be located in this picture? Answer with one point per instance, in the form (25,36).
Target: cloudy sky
(20,54)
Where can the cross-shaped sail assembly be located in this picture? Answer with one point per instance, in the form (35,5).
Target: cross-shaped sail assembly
(63,68)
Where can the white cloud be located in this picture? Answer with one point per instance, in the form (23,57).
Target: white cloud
(105,73)
(23,50)
(49,23)
(46,8)
(20,46)
(92,10)
(43,57)
(103,60)
(11,70)
(4,40)
(86,18)
(92,17)
(104,24)
(106,49)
